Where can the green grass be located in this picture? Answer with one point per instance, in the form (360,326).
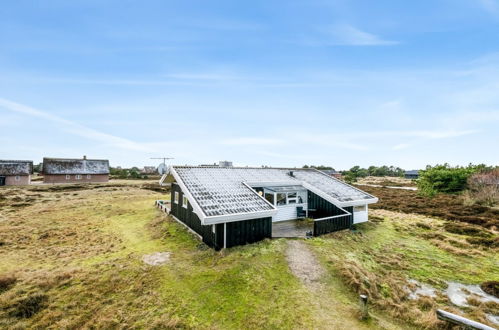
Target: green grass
(77,255)
(378,259)
(81,252)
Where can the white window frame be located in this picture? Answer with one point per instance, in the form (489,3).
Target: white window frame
(185,202)
(78,177)
(17,178)
(89,176)
(175,199)
(295,199)
(68,176)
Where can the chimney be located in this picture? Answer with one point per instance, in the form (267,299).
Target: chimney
(84,157)
(291,173)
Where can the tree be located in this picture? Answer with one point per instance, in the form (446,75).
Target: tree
(445,179)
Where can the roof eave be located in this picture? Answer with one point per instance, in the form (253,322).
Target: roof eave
(238,217)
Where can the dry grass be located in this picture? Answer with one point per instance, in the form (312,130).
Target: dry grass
(75,256)
(380,257)
(449,207)
(387,181)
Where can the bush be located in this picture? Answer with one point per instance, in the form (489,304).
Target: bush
(6,281)
(483,188)
(444,178)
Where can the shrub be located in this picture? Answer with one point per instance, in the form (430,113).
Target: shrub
(491,287)
(26,307)
(6,281)
(483,188)
(444,178)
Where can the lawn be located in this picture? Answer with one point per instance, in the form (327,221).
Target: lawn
(72,258)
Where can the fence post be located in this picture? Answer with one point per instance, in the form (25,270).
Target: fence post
(364,313)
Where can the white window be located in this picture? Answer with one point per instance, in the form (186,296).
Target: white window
(292,197)
(176,198)
(360,208)
(89,176)
(18,178)
(78,177)
(68,176)
(185,202)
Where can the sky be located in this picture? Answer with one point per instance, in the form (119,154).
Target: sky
(279,83)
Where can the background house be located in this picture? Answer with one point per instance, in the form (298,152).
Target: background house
(151,170)
(229,206)
(15,172)
(67,170)
(413,174)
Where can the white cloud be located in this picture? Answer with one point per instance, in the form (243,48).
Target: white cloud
(75,128)
(346,34)
(401,146)
(492,6)
(252,141)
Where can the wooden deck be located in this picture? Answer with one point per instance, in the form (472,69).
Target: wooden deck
(291,228)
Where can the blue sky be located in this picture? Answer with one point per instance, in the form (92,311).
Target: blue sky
(281,83)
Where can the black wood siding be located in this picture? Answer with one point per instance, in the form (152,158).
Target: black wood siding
(324,209)
(248,231)
(187,216)
(238,233)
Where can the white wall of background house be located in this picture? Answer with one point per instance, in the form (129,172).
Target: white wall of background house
(286,200)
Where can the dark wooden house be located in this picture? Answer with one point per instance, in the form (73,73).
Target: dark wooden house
(15,172)
(69,170)
(413,174)
(229,206)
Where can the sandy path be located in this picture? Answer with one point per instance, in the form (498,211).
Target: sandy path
(331,309)
(303,264)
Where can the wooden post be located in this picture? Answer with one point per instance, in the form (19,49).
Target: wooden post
(364,313)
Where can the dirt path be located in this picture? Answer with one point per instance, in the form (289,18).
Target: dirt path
(304,265)
(332,309)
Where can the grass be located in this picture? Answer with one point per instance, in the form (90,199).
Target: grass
(72,258)
(444,206)
(379,258)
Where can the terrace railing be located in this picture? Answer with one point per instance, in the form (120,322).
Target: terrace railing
(333,223)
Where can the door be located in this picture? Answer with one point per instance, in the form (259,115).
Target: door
(2,181)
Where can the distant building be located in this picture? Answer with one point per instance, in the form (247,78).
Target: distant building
(15,172)
(224,163)
(67,170)
(149,170)
(414,174)
(332,173)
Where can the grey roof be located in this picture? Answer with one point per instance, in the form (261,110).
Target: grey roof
(224,191)
(75,166)
(412,172)
(16,167)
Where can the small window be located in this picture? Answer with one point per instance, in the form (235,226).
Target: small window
(360,208)
(176,198)
(185,202)
(270,198)
(18,178)
(89,176)
(68,176)
(281,199)
(292,197)
(78,177)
